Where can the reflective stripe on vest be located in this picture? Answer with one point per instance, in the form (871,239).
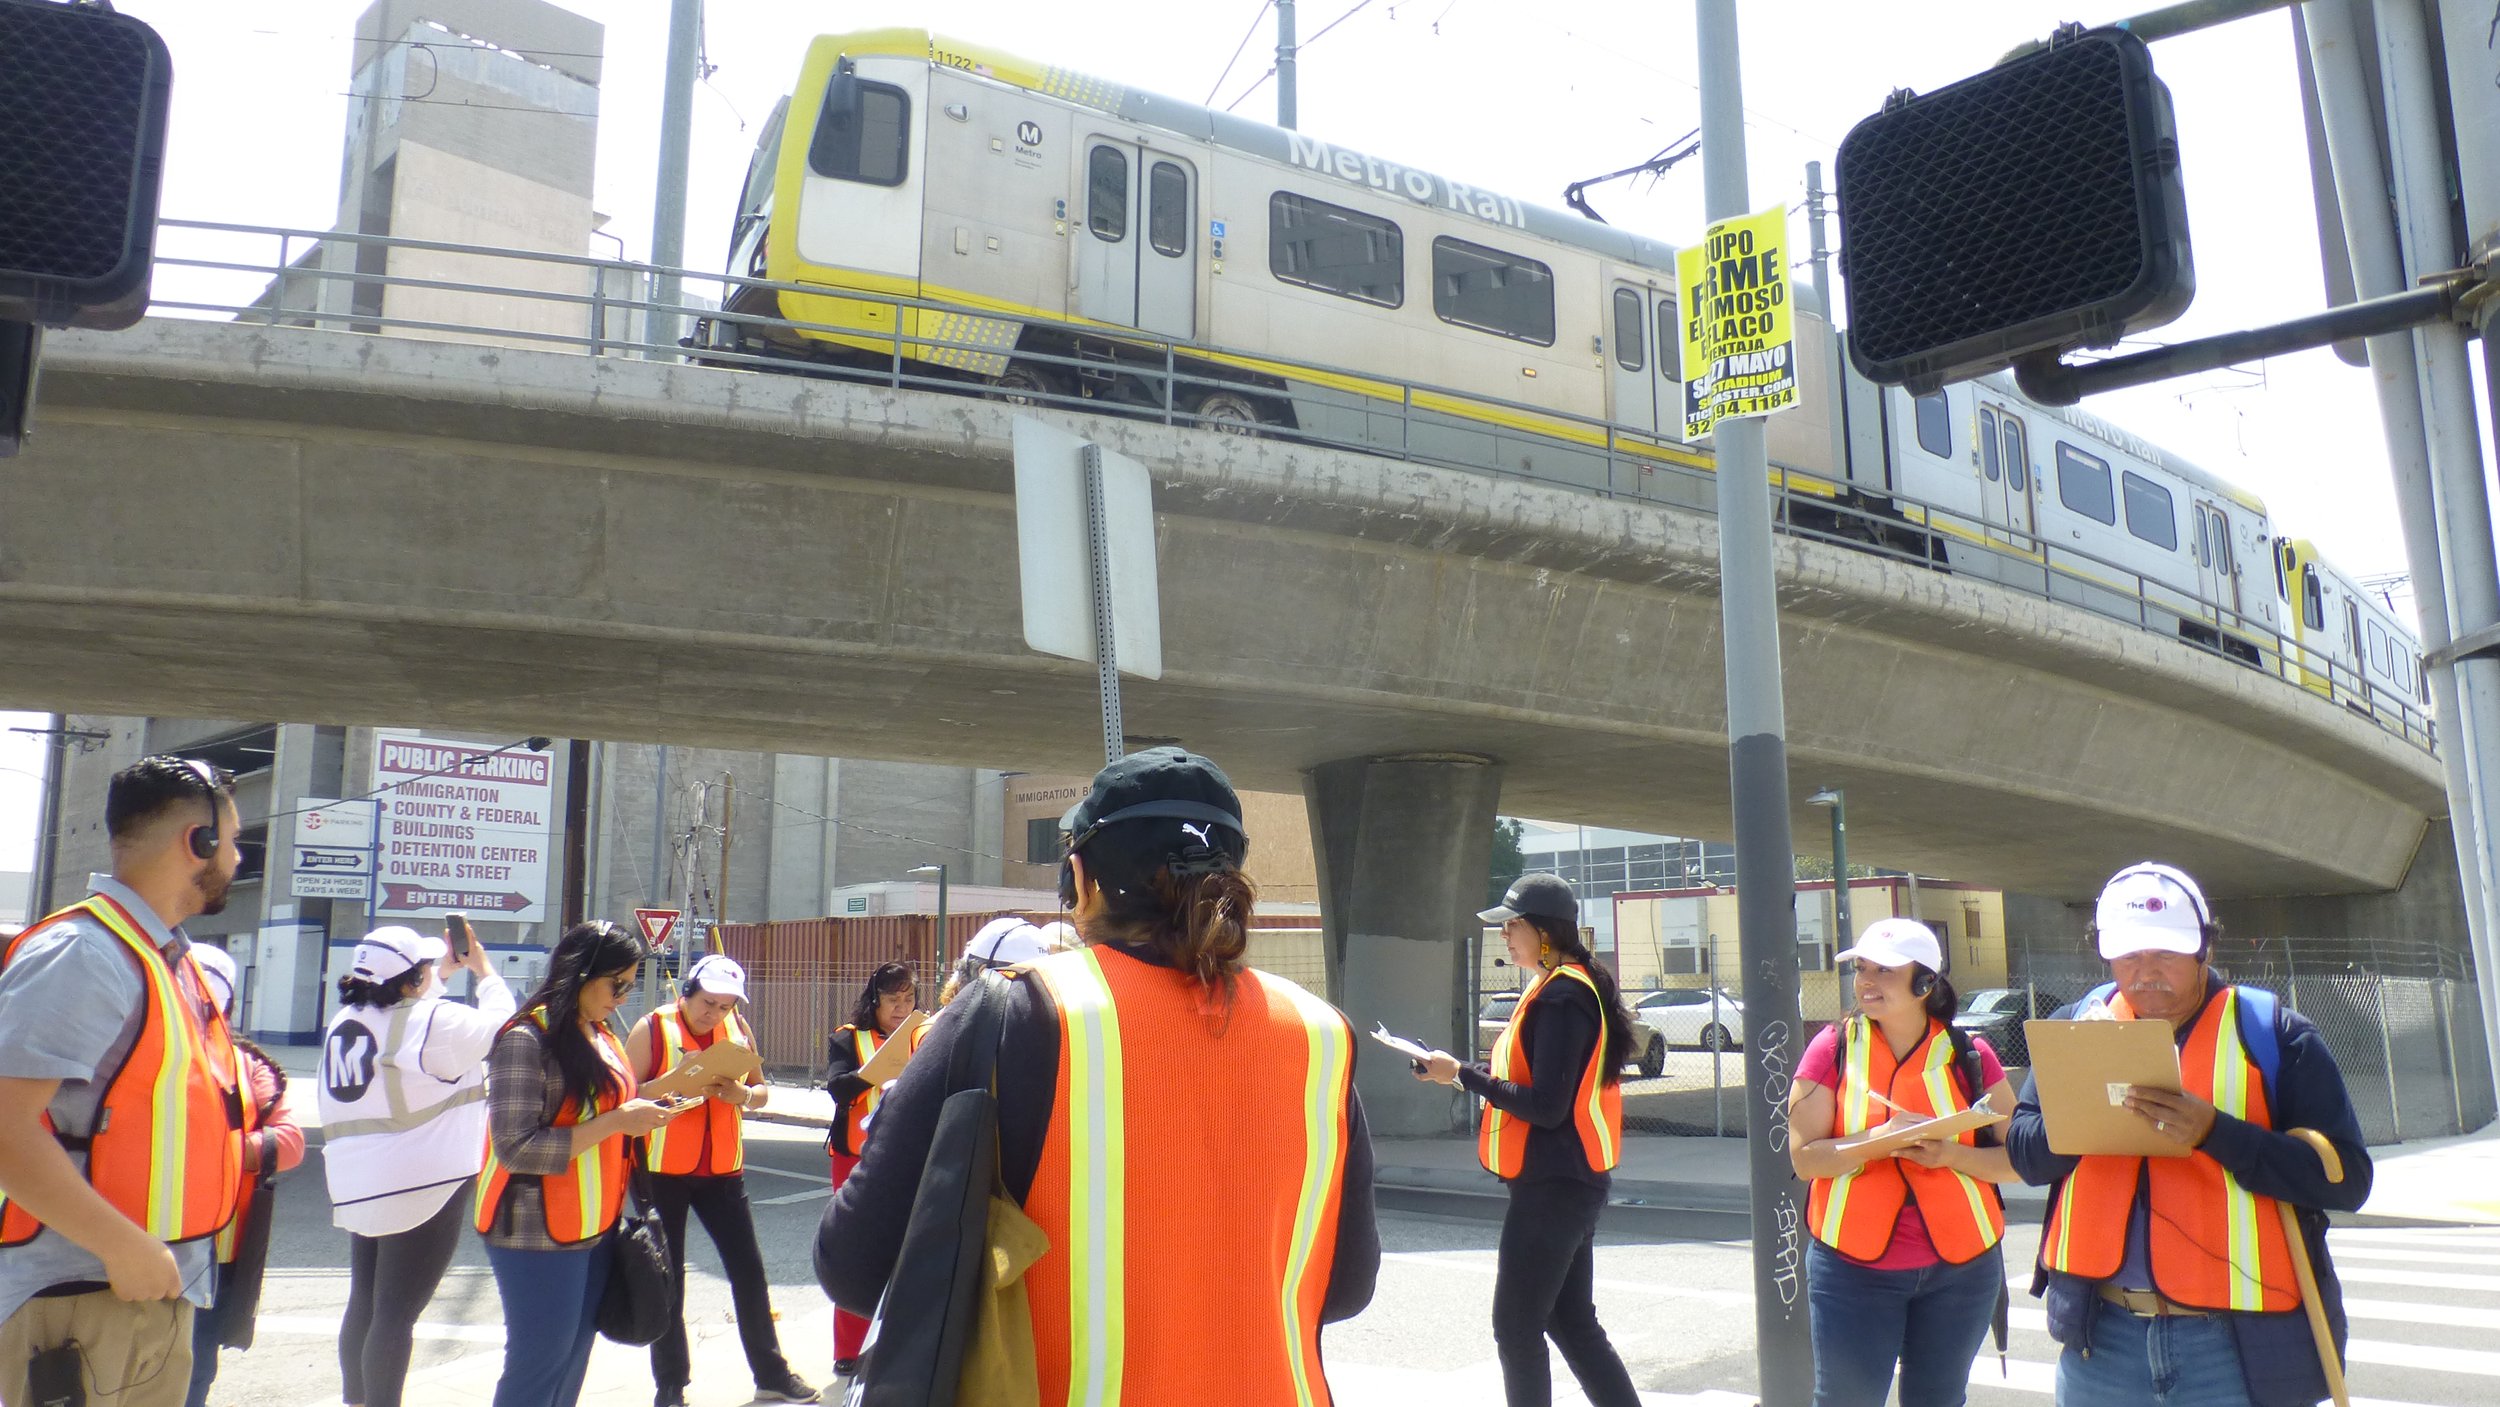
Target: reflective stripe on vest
(1140,1285)
(854,1126)
(1596,1108)
(676,1147)
(2214,1243)
(1855,1212)
(166,1145)
(231,1236)
(581,1201)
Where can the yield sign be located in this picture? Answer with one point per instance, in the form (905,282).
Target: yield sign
(657,924)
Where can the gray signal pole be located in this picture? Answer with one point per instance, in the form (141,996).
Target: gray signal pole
(668,204)
(1757,727)
(1285,94)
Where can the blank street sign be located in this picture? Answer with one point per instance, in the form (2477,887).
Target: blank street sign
(1056,571)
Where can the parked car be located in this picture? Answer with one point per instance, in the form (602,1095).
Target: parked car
(1712,1020)
(1997,1015)
(1650,1056)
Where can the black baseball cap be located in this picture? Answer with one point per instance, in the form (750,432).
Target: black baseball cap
(1535,896)
(1160,782)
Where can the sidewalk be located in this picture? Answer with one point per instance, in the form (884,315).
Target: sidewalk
(2436,1180)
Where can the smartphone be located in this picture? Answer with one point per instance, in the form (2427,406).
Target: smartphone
(461,937)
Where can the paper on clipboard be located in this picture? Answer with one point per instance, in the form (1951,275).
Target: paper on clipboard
(1886,1140)
(1400,1044)
(2082,1071)
(719,1060)
(890,1058)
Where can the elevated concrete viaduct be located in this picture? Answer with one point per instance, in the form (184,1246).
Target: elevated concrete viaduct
(228,520)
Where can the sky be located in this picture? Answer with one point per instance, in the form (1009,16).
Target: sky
(1519,98)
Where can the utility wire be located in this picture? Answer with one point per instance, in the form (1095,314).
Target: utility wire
(1238,50)
(534,744)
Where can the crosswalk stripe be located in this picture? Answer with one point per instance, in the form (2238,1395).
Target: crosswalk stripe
(2455,1316)
(2413,1255)
(2417,1279)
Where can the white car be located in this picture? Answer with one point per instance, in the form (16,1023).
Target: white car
(1690,1017)
(1649,1053)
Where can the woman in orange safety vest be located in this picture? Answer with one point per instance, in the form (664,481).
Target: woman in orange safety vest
(1904,1267)
(1180,1127)
(560,1105)
(884,1004)
(1553,1122)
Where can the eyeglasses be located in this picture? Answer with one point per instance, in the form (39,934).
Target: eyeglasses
(620,985)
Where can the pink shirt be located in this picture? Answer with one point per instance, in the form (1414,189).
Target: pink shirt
(1910,1248)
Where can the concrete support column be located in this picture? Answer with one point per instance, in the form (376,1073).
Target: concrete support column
(1404,845)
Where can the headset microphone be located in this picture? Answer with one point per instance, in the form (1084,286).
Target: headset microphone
(1501,962)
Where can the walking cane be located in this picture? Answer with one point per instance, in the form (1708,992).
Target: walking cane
(2327,1357)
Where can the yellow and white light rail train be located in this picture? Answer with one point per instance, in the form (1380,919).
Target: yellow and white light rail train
(1079,232)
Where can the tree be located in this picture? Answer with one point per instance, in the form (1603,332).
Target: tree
(1509,861)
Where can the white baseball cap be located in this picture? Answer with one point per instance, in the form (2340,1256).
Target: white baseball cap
(719,975)
(387,952)
(1896,942)
(2149,908)
(217,967)
(1005,942)
(1061,936)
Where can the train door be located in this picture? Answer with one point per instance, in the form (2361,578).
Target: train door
(1643,399)
(2004,452)
(2217,566)
(1136,261)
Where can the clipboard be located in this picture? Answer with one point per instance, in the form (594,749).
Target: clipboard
(1953,1125)
(2081,1071)
(890,1058)
(1415,1053)
(719,1060)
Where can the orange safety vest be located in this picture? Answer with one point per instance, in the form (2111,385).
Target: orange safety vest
(1597,1110)
(2215,1244)
(166,1147)
(582,1201)
(853,1128)
(920,1033)
(1147,1284)
(1854,1212)
(678,1146)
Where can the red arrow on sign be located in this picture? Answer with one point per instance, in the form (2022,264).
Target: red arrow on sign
(657,924)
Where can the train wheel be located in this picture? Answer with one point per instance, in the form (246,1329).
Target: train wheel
(1228,413)
(1020,384)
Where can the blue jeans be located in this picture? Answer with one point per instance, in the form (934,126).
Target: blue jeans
(1930,1321)
(2182,1361)
(550,1320)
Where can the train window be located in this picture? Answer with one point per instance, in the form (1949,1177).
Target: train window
(1988,444)
(1935,425)
(2083,484)
(1628,330)
(1106,194)
(2312,600)
(865,142)
(1336,250)
(1167,209)
(1491,291)
(2017,457)
(2150,513)
(2282,565)
(1670,343)
(765,164)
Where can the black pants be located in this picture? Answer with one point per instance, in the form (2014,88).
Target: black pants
(390,1281)
(1544,1285)
(720,1203)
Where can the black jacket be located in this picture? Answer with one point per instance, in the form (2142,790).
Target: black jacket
(1560,1029)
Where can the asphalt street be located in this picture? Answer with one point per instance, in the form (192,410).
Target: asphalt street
(1674,1290)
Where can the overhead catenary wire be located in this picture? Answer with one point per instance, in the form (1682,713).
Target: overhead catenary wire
(1239,49)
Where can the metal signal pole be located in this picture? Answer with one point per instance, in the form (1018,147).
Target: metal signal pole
(1285,89)
(668,204)
(1766,857)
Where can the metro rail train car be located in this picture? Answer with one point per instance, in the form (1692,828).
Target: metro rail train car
(1073,229)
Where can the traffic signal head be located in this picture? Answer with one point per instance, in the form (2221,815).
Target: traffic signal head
(2031,209)
(83,98)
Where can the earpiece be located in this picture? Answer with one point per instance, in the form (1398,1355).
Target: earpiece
(1067,884)
(1921,983)
(203,841)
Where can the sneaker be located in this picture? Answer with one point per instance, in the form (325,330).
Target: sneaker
(788,1387)
(670,1397)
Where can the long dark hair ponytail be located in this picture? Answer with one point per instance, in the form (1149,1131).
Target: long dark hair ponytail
(1564,939)
(1179,889)
(587,953)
